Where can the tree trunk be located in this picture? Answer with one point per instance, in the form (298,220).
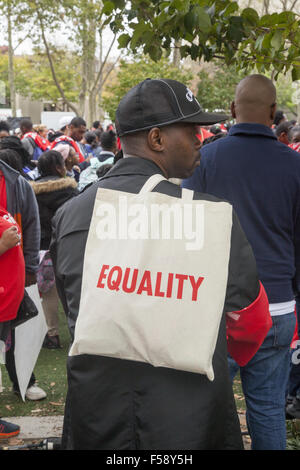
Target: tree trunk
(11,75)
(176,54)
(92,108)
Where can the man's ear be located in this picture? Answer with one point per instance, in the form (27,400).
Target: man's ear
(273,111)
(232,109)
(155,141)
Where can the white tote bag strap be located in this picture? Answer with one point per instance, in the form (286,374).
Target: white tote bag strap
(187,195)
(151,183)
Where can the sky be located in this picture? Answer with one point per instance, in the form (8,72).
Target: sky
(59,39)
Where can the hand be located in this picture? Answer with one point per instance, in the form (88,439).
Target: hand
(30,279)
(9,239)
(76,168)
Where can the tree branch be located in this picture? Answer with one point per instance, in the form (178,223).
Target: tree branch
(102,65)
(52,68)
(110,70)
(22,40)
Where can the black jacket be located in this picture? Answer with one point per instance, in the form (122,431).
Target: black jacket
(51,193)
(119,404)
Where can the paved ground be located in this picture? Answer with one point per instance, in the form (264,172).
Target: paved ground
(35,429)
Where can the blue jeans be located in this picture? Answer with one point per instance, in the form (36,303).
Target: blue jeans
(264,380)
(294,377)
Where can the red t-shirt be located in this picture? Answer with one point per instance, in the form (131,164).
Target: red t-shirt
(43,144)
(204,134)
(12,272)
(295,146)
(65,138)
(3,201)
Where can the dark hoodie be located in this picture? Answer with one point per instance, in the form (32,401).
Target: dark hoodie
(51,193)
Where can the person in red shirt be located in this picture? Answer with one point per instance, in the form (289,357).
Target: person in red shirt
(295,138)
(203,134)
(12,284)
(283,132)
(73,135)
(32,141)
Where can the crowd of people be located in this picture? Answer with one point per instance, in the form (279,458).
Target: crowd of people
(48,184)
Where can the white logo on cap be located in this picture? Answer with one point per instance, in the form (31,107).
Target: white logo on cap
(189,95)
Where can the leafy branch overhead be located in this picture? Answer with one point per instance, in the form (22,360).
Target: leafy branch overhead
(209,29)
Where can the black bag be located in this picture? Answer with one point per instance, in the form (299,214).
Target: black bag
(27,310)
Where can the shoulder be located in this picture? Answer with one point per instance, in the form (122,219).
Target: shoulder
(171,189)
(53,185)
(75,215)
(217,144)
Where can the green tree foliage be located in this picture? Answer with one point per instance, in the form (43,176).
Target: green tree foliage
(216,89)
(131,73)
(33,76)
(210,29)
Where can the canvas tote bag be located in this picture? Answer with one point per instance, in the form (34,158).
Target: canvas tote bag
(154,278)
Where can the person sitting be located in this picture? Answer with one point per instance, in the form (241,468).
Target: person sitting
(52,190)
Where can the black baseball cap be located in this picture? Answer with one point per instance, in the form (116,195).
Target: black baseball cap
(160,102)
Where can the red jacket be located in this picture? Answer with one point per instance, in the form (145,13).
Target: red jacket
(12,273)
(43,144)
(204,134)
(295,146)
(69,141)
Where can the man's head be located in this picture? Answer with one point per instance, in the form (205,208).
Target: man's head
(108,141)
(295,134)
(14,143)
(12,158)
(26,126)
(255,101)
(279,117)
(77,129)
(96,125)
(64,123)
(4,129)
(283,132)
(157,120)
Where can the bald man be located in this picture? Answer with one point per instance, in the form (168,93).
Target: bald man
(260,177)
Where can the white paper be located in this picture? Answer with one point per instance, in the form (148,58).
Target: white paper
(29,338)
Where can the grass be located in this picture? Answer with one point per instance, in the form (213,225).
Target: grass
(50,372)
(292,426)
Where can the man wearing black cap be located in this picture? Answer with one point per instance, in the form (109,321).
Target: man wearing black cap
(120,404)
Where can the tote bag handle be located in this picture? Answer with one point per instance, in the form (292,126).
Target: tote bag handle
(187,194)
